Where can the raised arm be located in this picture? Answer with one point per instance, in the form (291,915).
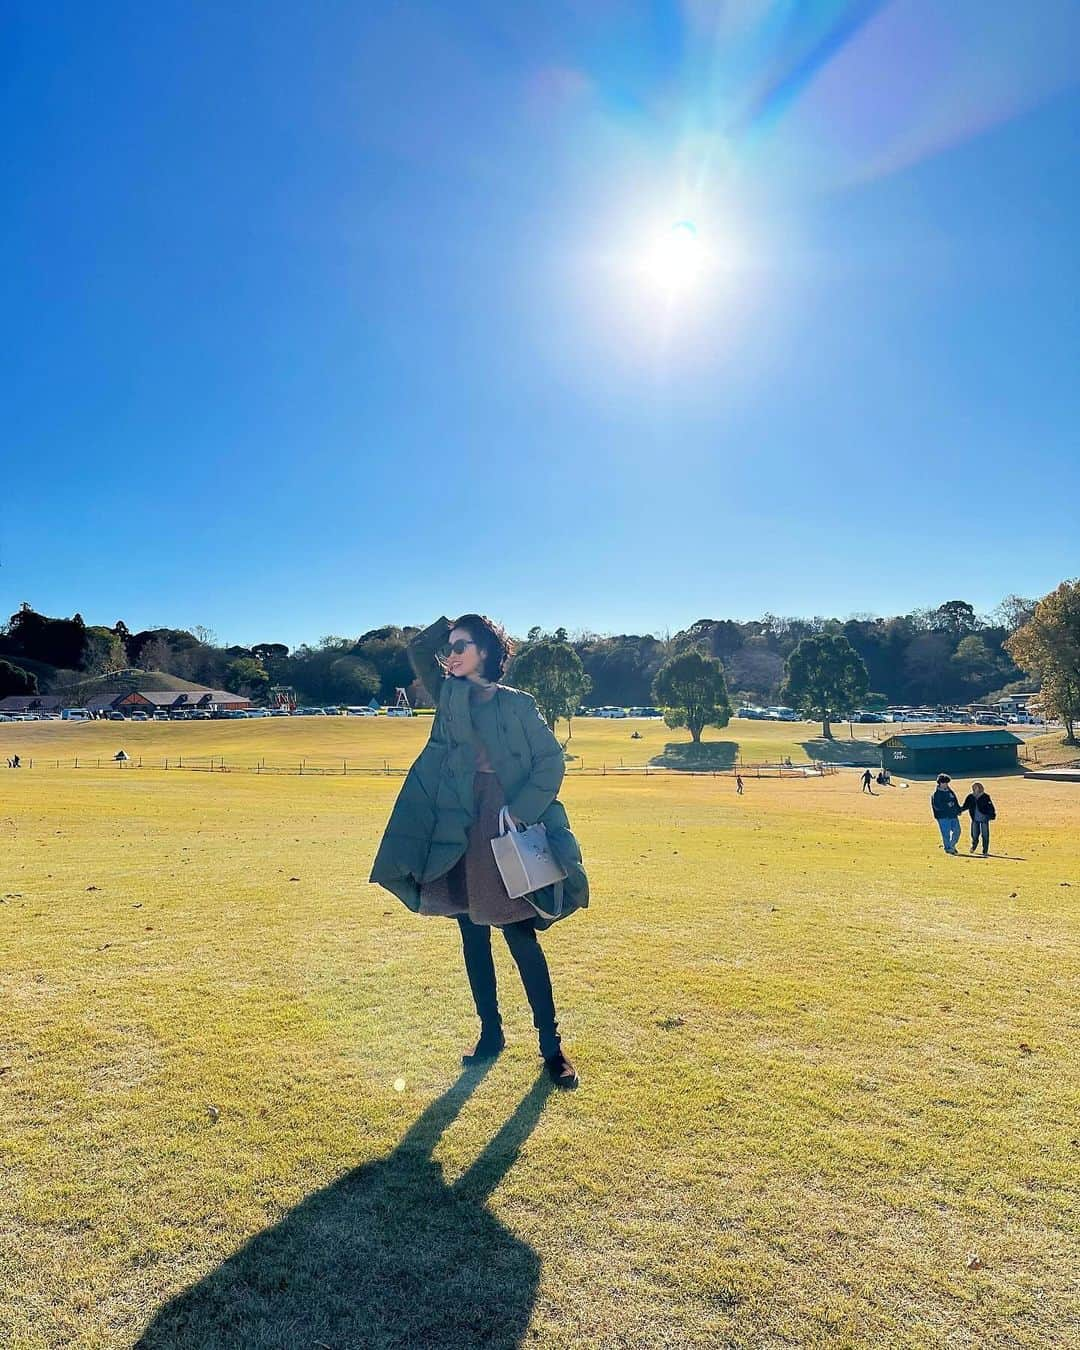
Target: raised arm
(423,659)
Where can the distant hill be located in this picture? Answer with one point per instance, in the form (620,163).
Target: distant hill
(123,682)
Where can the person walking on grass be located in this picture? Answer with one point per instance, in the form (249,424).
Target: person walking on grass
(738,785)
(867,779)
(982,813)
(946,809)
(489,748)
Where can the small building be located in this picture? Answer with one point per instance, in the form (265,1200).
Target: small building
(31,703)
(180,700)
(926,754)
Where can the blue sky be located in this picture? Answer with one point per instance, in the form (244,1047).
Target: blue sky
(319,317)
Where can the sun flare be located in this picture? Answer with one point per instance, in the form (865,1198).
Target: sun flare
(676,261)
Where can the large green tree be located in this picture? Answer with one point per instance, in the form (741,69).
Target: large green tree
(692,691)
(826,679)
(248,677)
(1048,646)
(552,672)
(15,680)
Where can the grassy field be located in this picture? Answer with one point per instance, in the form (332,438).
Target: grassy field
(830,1077)
(397,741)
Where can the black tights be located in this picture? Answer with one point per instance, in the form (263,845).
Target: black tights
(532,967)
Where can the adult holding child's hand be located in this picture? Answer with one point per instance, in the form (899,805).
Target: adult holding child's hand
(489,749)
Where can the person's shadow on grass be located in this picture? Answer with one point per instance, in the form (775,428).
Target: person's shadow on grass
(388,1256)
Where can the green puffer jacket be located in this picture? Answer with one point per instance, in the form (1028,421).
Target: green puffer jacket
(428,828)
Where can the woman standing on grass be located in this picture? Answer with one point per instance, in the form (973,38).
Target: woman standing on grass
(489,748)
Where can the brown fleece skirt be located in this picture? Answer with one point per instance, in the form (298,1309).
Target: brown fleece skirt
(474,886)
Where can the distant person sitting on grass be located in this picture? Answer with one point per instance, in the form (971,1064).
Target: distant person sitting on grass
(867,779)
(946,809)
(982,813)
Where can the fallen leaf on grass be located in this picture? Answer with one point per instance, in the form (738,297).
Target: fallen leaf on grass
(1025,1049)
(93,888)
(294,878)
(973,1261)
(670,1023)
(214,1114)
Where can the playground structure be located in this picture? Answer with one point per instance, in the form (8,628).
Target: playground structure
(283,696)
(402,707)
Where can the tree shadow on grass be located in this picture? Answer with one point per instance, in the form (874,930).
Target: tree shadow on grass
(389,1256)
(844,750)
(708,755)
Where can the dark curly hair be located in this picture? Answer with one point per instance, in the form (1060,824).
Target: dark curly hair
(491,638)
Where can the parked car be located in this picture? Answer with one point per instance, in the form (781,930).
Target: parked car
(139,716)
(115,716)
(990,720)
(279,712)
(201,715)
(256,712)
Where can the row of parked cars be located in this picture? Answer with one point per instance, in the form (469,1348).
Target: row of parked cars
(608,711)
(198,714)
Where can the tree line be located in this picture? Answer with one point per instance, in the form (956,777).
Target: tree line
(942,656)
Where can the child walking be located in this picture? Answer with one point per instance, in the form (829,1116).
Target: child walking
(982,813)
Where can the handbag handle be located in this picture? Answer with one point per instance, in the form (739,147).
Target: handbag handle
(506,825)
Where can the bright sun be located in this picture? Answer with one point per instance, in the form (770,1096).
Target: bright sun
(676,261)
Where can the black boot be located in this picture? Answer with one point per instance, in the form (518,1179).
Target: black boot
(561,1072)
(491,1044)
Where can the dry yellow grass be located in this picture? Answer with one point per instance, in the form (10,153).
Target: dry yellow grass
(823,1065)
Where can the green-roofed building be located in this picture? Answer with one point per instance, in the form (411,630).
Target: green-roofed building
(926,754)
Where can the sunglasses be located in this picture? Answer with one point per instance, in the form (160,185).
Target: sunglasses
(456,647)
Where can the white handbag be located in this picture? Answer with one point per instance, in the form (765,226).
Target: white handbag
(526,863)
